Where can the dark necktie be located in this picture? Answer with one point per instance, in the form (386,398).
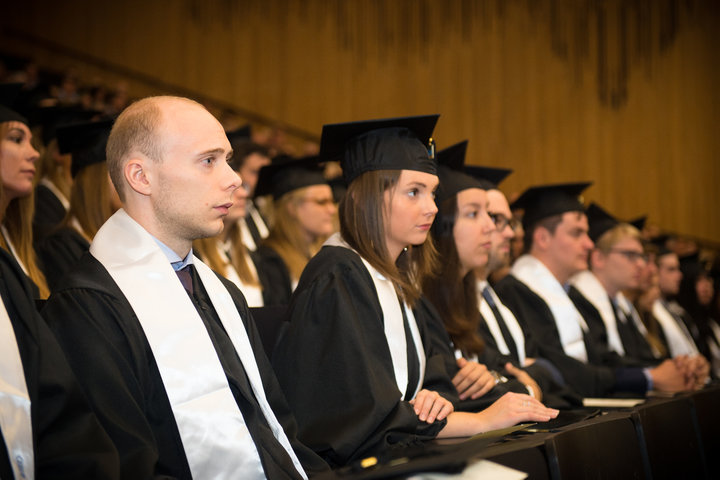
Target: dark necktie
(509,340)
(413,362)
(185,276)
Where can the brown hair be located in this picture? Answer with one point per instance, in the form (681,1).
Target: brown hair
(286,237)
(239,257)
(362,225)
(548,223)
(90,199)
(457,300)
(17,219)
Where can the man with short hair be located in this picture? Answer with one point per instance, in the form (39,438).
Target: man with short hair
(557,245)
(616,265)
(164,348)
(676,325)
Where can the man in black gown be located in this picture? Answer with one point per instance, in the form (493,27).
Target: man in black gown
(166,350)
(557,246)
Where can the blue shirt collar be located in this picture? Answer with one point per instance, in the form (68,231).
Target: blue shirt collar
(174,259)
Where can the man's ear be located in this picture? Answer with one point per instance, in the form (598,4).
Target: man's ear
(597,258)
(137,175)
(541,237)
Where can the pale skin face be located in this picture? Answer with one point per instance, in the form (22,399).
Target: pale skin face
(17,162)
(239,206)
(669,274)
(499,239)
(315,212)
(472,229)
(565,251)
(187,194)
(409,210)
(615,269)
(251,169)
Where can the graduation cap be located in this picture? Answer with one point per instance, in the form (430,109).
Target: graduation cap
(8,95)
(490,177)
(403,143)
(54,116)
(659,244)
(242,133)
(599,221)
(453,179)
(542,201)
(638,222)
(286,174)
(86,142)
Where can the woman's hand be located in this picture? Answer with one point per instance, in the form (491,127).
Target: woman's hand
(526,380)
(513,408)
(473,380)
(430,406)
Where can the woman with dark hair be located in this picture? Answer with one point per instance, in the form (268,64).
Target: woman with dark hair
(371,379)
(17,172)
(92,199)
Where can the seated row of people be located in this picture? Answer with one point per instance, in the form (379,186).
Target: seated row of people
(380,350)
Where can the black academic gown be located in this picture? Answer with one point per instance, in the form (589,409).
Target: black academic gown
(113,361)
(49,212)
(335,367)
(442,343)
(274,276)
(68,440)
(59,252)
(591,379)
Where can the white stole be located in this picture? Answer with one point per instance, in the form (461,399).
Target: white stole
(570,324)
(252,293)
(393,324)
(511,322)
(216,440)
(11,247)
(678,338)
(246,236)
(15,414)
(588,284)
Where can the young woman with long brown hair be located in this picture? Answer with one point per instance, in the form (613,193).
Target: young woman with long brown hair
(355,362)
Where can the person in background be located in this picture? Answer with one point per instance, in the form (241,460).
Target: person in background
(93,199)
(304,213)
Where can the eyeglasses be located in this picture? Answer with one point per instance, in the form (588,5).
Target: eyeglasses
(631,255)
(501,221)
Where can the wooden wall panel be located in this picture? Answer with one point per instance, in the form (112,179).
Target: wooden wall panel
(620,92)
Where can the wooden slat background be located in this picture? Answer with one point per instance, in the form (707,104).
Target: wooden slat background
(622,92)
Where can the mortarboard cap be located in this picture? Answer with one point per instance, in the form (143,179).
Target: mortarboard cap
(542,201)
(387,144)
(638,222)
(54,116)
(86,142)
(659,244)
(599,221)
(8,95)
(490,177)
(286,174)
(453,180)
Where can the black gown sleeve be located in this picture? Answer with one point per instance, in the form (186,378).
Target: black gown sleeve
(58,253)
(69,442)
(274,276)
(334,365)
(312,463)
(109,354)
(535,317)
